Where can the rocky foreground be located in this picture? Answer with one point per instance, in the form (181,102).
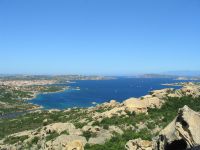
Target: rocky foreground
(151,122)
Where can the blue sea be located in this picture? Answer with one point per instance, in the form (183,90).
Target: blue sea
(100,91)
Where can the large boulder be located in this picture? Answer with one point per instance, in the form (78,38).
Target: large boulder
(141,105)
(182,133)
(69,142)
(117,111)
(161,93)
(60,127)
(101,137)
(135,105)
(75,145)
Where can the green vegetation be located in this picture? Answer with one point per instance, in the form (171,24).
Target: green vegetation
(50,88)
(88,134)
(34,140)
(155,116)
(64,132)
(52,136)
(31,121)
(79,125)
(121,120)
(160,117)
(13,139)
(119,141)
(15,99)
(12,100)
(169,110)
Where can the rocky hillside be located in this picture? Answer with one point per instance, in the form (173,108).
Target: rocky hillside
(135,124)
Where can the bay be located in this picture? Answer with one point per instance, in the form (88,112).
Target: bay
(100,91)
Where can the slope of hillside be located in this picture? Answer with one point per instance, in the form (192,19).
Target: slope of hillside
(108,126)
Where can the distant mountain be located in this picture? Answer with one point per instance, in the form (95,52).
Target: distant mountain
(157,76)
(175,75)
(184,73)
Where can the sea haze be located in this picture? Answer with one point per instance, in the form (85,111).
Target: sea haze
(100,91)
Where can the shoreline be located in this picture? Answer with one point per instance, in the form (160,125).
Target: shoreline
(36,94)
(94,103)
(41,107)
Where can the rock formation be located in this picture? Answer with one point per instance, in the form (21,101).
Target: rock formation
(141,105)
(182,133)
(71,138)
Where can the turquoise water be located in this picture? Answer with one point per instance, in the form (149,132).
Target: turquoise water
(100,91)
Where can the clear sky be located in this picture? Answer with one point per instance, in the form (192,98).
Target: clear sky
(99,36)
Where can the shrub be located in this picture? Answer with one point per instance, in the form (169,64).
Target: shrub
(52,136)
(14,139)
(88,134)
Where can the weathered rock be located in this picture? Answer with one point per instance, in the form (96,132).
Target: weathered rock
(60,127)
(92,129)
(59,142)
(191,90)
(188,89)
(115,129)
(135,105)
(101,137)
(112,103)
(138,144)
(117,111)
(161,93)
(183,132)
(140,126)
(75,145)
(141,105)
(68,142)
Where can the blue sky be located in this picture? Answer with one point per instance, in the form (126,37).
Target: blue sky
(111,37)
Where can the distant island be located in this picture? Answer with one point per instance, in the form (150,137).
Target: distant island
(175,77)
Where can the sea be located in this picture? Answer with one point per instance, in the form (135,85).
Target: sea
(94,92)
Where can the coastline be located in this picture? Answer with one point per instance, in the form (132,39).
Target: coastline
(93,102)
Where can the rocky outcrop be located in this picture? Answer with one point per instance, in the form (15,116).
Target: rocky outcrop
(69,142)
(191,90)
(182,133)
(188,89)
(60,127)
(155,99)
(141,105)
(137,105)
(65,136)
(75,145)
(138,144)
(100,135)
(117,111)
(161,93)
